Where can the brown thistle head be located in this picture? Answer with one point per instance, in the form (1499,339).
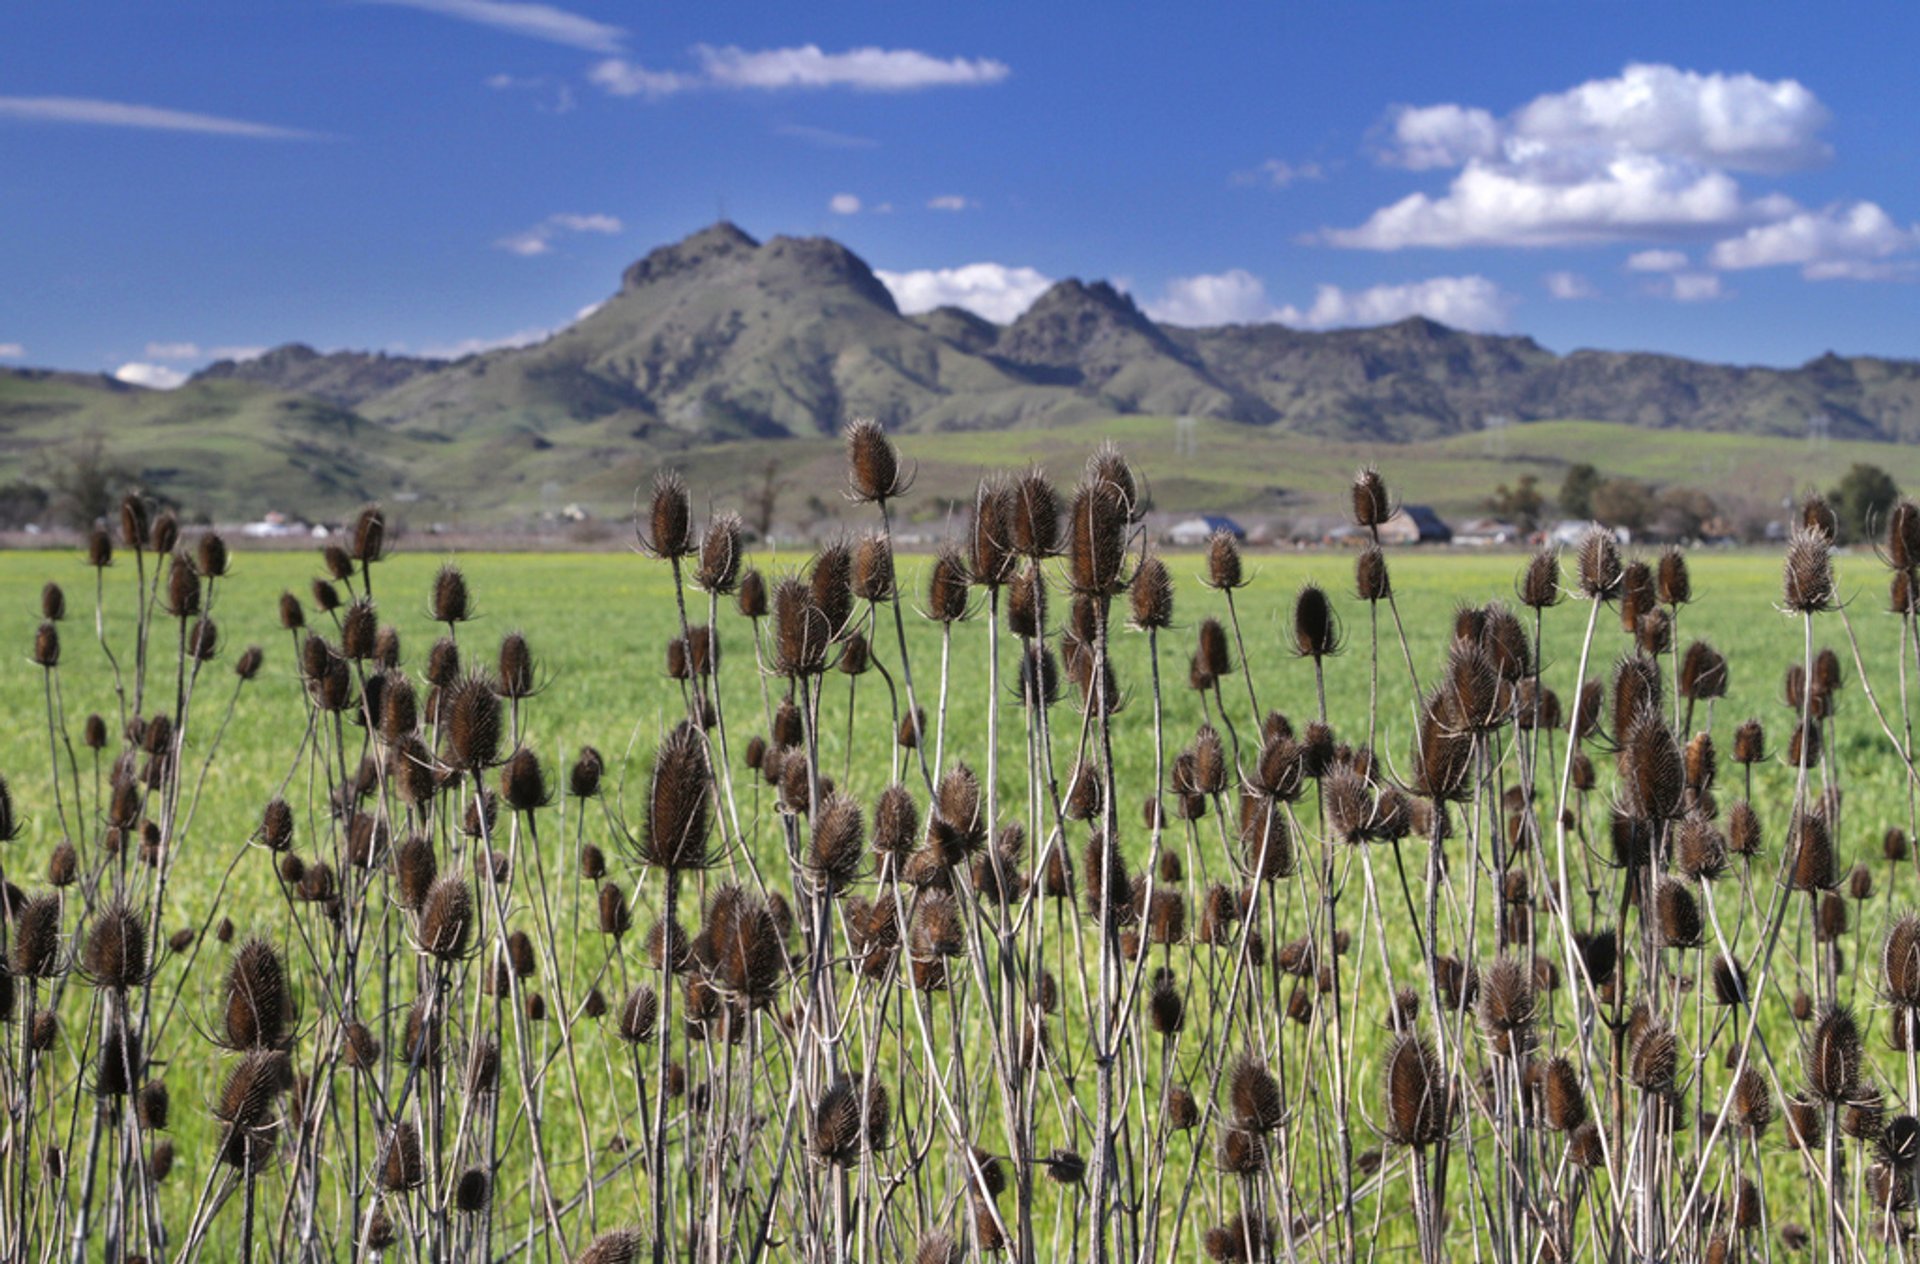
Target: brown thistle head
(1417,1105)
(1151,593)
(667,532)
(874,473)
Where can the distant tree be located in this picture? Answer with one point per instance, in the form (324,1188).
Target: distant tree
(1683,512)
(21,503)
(84,483)
(1622,502)
(1522,504)
(1576,490)
(1862,501)
(763,500)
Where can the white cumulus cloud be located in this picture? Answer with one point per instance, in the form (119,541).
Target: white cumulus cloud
(539,239)
(1839,241)
(1233,297)
(1646,154)
(535,21)
(1464,302)
(806,66)
(1567,285)
(993,290)
(844,204)
(12,351)
(159,377)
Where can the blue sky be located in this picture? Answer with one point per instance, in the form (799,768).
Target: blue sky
(189,179)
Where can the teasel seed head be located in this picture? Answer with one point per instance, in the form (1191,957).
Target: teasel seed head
(1371,504)
(1152,595)
(1600,571)
(1830,921)
(1900,962)
(1585,1147)
(116,952)
(991,553)
(1832,1054)
(1507,1006)
(403,1169)
(1813,858)
(1678,914)
(1656,1060)
(1675,585)
(99,548)
(523,783)
(471,724)
(446,918)
(1900,1142)
(1417,1099)
(1097,536)
(1563,1101)
(1808,578)
(667,532)
(183,588)
(1255,1094)
(1166,1007)
(837,845)
(36,937)
(874,473)
(164,534)
(1316,629)
(678,814)
(639,1015)
(258,1004)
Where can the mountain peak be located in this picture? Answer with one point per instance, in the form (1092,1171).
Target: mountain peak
(722,239)
(1075,318)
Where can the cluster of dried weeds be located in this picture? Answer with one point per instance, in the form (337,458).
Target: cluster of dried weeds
(1499,991)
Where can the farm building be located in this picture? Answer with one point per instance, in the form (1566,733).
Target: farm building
(1194,532)
(1415,524)
(1483,532)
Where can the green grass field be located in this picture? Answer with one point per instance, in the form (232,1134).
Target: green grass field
(597,625)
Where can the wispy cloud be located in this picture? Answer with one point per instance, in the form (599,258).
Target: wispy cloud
(951,202)
(844,204)
(1278,173)
(551,96)
(1567,286)
(535,21)
(190,351)
(12,351)
(477,346)
(803,67)
(539,239)
(87,110)
(823,138)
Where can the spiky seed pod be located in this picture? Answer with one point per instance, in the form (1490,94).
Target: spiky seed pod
(1507,1006)
(947,586)
(750,598)
(154,1105)
(99,548)
(1699,850)
(1730,982)
(403,1169)
(1656,1060)
(248,665)
(1900,962)
(678,809)
(1316,629)
(1266,842)
(36,937)
(258,1006)
(1371,580)
(1585,1148)
(1255,1094)
(1097,537)
(1831,1055)
(639,1015)
(470,724)
(837,844)
(116,953)
(991,555)
(1083,797)
(1166,1007)
(1279,774)
(183,588)
(667,532)
(1215,659)
(1211,772)
(63,865)
(1371,504)
(1442,754)
(46,646)
(873,466)
(1860,883)
(1584,722)
(164,534)
(1347,801)
(1813,858)
(1417,1105)
(1539,587)
(1109,898)
(1807,586)
(1600,570)
(326,598)
(1564,1103)
(616,919)
(1703,673)
(514,675)
(93,734)
(1751,1107)
(1637,594)
(830,582)
(1152,595)
(913,724)
(250,1089)
(749,955)
(1653,633)
(446,918)
(1830,922)
(802,630)
(1864,1115)
(1027,604)
(523,783)
(359,625)
(1677,914)
(414,870)
(1900,1142)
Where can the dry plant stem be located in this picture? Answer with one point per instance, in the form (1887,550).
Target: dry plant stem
(906,662)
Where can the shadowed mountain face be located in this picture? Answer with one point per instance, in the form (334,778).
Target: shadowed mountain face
(721,337)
